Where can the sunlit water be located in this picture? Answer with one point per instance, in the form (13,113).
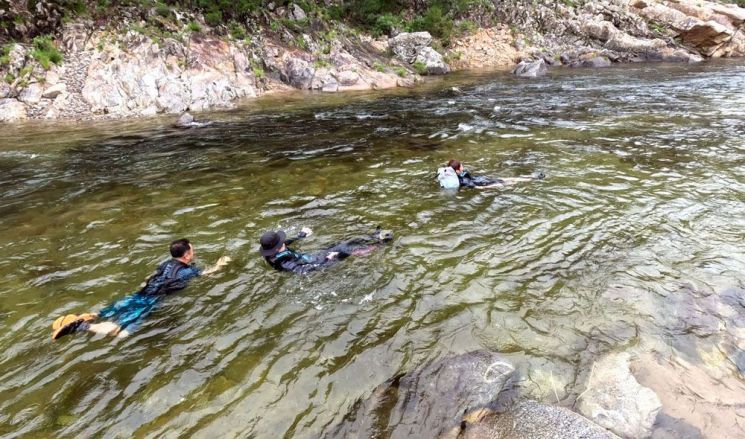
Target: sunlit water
(644,193)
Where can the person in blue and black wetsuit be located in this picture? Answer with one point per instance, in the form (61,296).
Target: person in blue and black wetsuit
(276,253)
(121,317)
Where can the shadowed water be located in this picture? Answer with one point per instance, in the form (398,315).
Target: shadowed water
(644,193)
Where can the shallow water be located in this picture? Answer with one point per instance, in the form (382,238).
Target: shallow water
(644,194)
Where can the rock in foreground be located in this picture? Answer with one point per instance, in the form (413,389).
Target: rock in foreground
(430,402)
(615,400)
(528,420)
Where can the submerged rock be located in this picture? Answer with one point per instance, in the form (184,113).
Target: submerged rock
(528,420)
(615,400)
(431,402)
(597,62)
(530,69)
(186,120)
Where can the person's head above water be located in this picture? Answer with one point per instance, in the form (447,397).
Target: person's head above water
(456,165)
(182,250)
(272,243)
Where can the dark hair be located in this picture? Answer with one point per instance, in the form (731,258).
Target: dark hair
(455,164)
(179,247)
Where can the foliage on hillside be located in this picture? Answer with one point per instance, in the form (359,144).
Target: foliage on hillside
(24,20)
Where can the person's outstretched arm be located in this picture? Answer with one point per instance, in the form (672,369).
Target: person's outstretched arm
(223,261)
(304,233)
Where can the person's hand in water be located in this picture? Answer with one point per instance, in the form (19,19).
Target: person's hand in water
(332,256)
(223,261)
(307,231)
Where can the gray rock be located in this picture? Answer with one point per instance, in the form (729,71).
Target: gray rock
(432,60)
(55,90)
(528,420)
(31,95)
(296,12)
(532,69)
(406,46)
(615,400)
(12,110)
(432,401)
(4,90)
(330,86)
(348,78)
(597,62)
(185,120)
(298,73)
(173,96)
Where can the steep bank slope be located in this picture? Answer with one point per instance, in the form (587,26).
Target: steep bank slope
(144,64)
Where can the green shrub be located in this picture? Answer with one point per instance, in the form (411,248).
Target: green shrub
(300,42)
(378,67)
(213,18)
(420,68)
(400,71)
(385,24)
(237,31)
(163,10)
(5,54)
(45,52)
(194,26)
(258,71)
(321,63)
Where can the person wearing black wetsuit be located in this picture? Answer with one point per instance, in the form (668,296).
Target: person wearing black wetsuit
(121,317)
(467,180)
(276,253)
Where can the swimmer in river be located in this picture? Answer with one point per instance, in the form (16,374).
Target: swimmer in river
(275,250)
(454,170)
(121,317)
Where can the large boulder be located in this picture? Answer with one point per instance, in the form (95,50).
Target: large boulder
(527,420)
(31,95)
(707,36)
(298,73)
(433,62)
(406,45)
(431,401)
(615,400)
(531,69)
(12,110)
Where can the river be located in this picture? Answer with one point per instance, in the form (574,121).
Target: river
(643,200)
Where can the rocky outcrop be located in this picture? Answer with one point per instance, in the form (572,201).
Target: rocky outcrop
(415,48)
(705,26)
(615,400)
(485,48)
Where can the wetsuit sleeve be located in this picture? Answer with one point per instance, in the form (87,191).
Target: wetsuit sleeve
(300,235)
(187,273)
(466,179)
(299,267)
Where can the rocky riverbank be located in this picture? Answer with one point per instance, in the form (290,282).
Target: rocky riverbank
(125,71)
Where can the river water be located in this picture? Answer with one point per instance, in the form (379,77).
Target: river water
(643,201)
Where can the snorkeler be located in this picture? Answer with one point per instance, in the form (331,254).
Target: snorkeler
(121,317)
(276,253)
(454,175)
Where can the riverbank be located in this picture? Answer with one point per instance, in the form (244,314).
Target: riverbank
(145,64)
